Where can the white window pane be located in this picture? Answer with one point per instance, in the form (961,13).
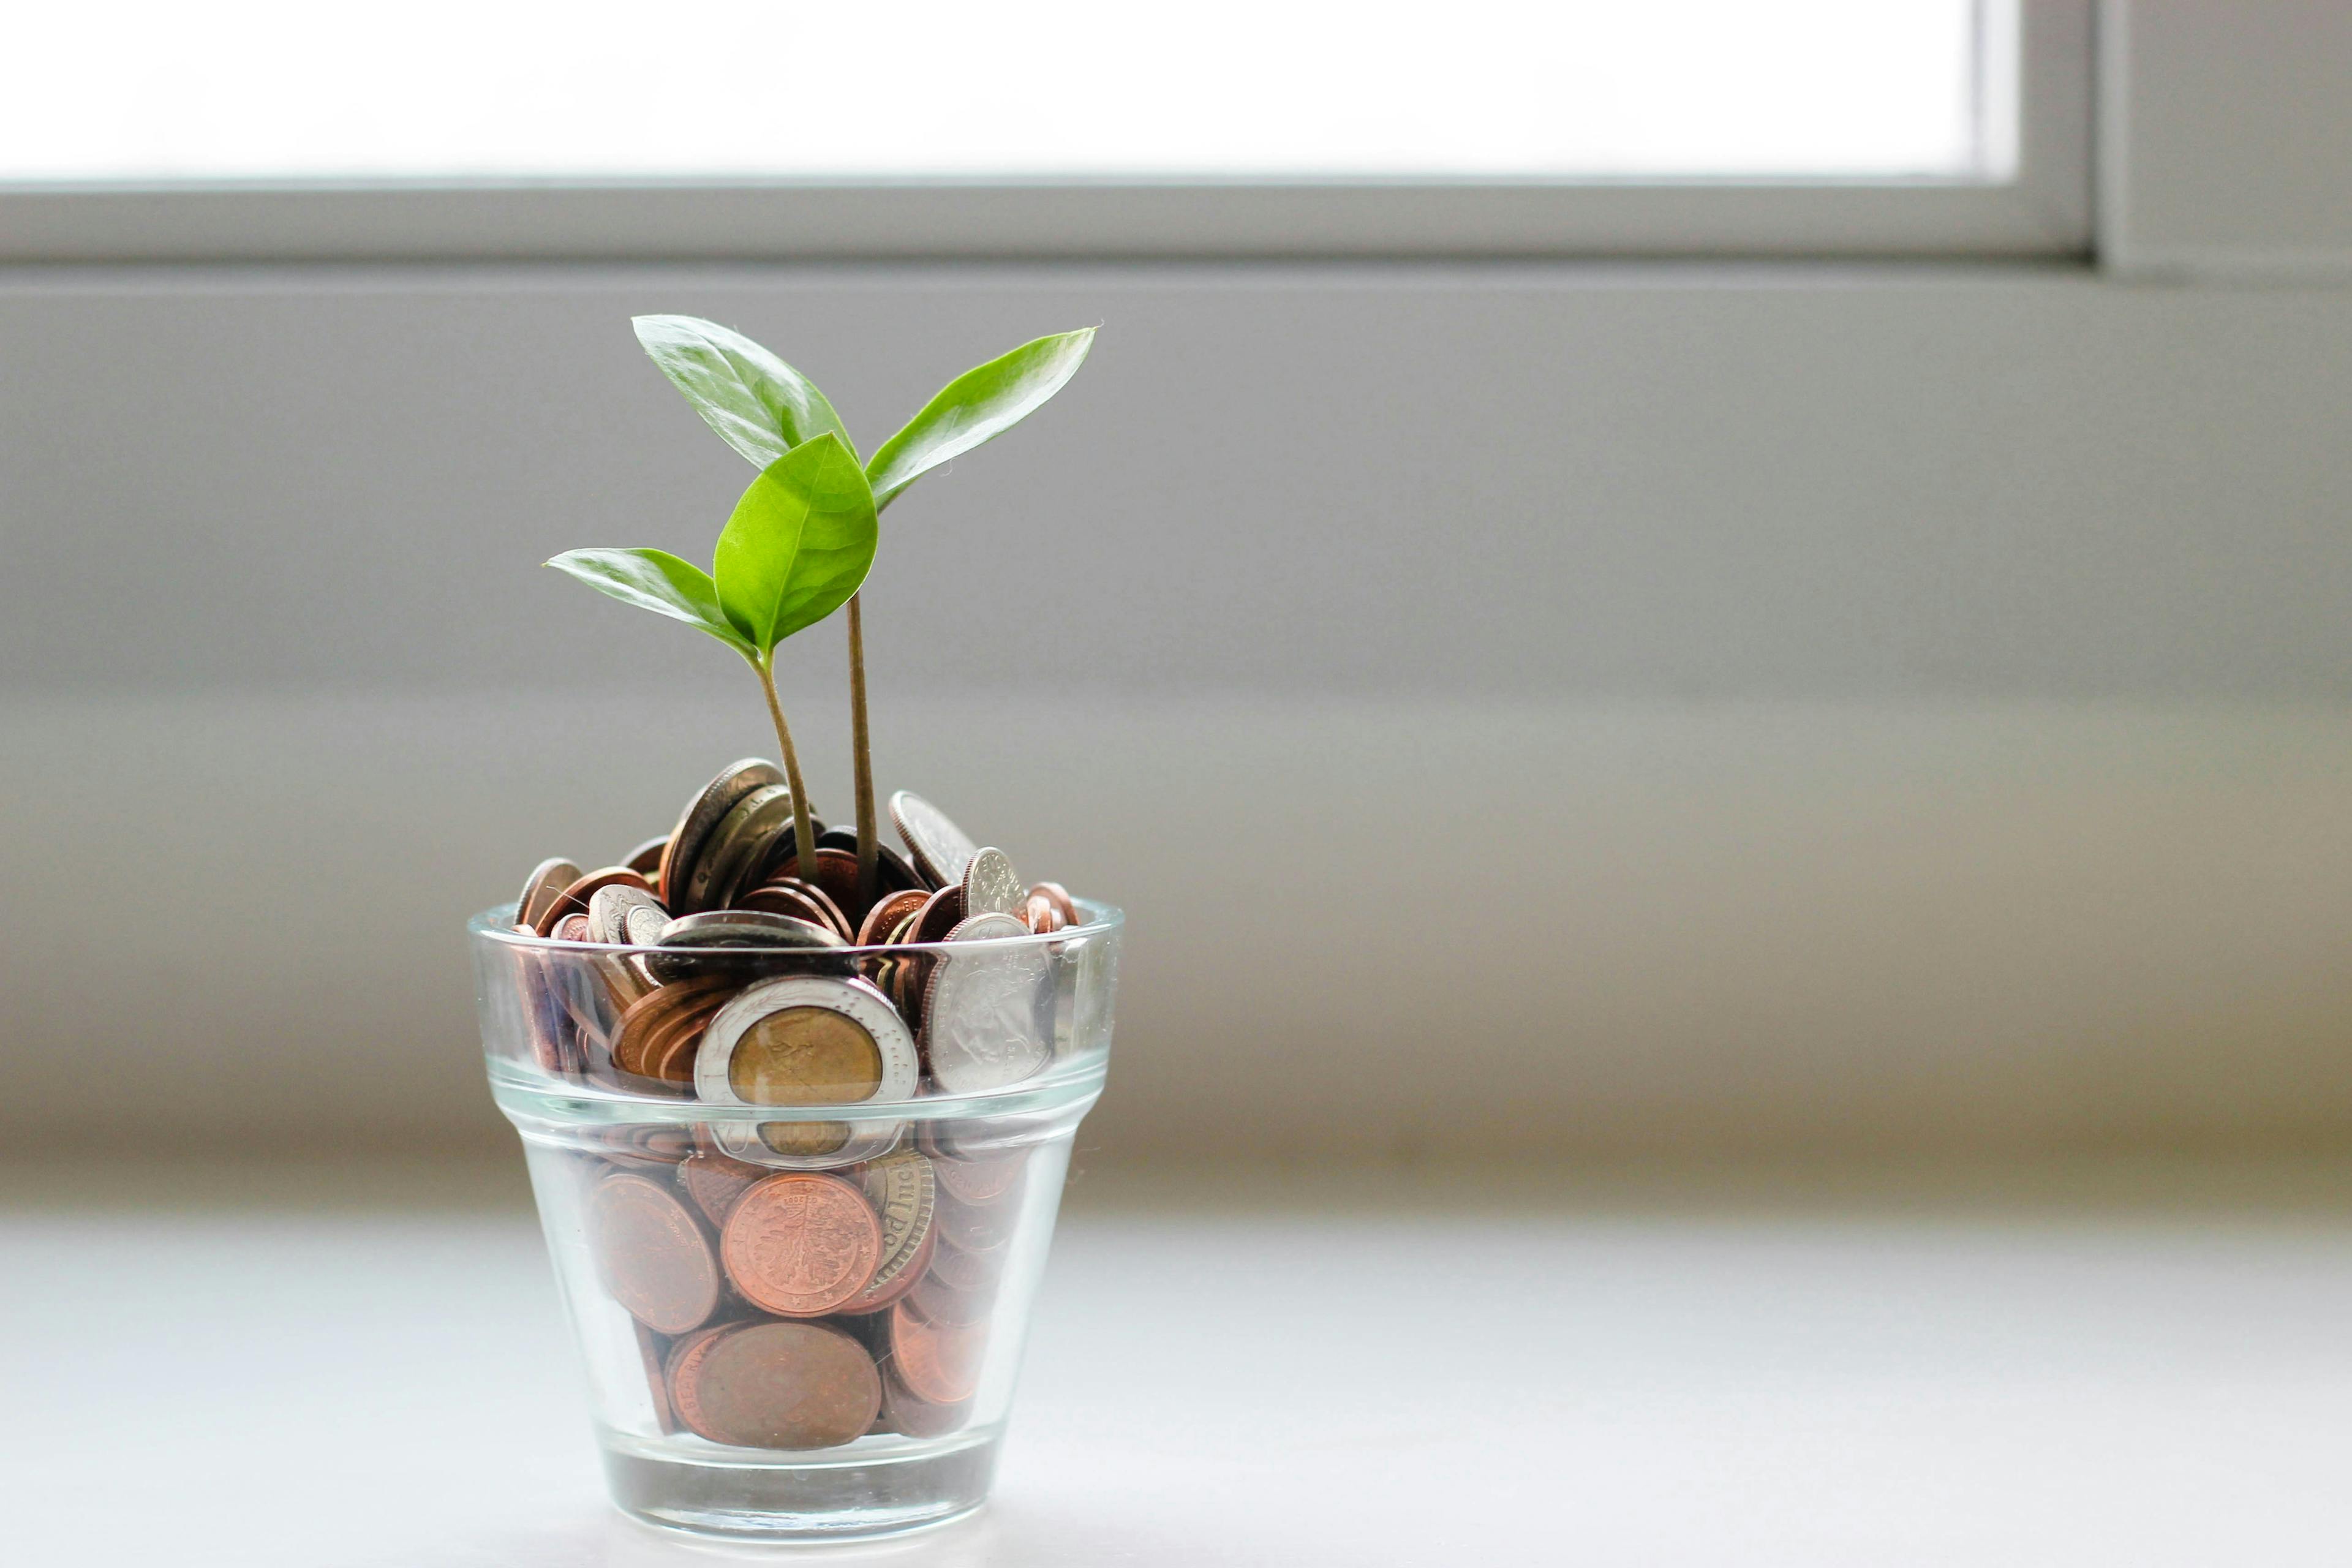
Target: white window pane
(144,90)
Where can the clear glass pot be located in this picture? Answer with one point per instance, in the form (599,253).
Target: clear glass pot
(799,1265)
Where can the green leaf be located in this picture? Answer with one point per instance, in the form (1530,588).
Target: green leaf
(978,405)
(799,544)
(657,581)
(759,405)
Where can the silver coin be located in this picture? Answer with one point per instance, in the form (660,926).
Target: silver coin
(990,887)
(942,851)
(547,879)
(626,916)
(736,844)
(702,814)
(983,1027)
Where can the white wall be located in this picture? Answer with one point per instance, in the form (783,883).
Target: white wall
(1855,708)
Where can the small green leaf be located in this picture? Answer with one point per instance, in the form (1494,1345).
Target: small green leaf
(978,405)
(759,405)
(799,544)
(657,581)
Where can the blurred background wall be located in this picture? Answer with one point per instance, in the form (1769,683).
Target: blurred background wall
(1607,709)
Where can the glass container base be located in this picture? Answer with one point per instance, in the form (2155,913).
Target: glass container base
(761,1497)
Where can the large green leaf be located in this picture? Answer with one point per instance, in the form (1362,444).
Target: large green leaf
(759,405)
(978,405)
(657,581)
(798,544)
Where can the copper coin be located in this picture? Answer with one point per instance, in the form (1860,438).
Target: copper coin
(837,873)
(656,1011)
(547,879)
(682,1370)
(786,1385)
(892,873)
(985,1180)
(947,1306)
(972,1271)
(905,1195)
(703,813)
(888,913)
(1060,897)
(1038,913)
(941,915)
(976,1227)
(646,858)
(650,1146)
(651,1254)
(573,900)
(938,1362)
(791,896)
(571,928)
(672,1058)
(902,1412)
(714,1180)
(624,980)
(800,1244)
(649,1350)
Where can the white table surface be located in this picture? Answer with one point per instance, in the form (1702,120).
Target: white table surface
(2087,1366)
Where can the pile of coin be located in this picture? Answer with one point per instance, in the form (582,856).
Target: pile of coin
(806,1308)
(852,1025)
(797,1284)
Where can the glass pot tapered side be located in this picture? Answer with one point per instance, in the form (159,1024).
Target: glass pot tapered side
(800,1289)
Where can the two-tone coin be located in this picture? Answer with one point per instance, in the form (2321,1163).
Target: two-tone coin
(942,851)
(984,1019)
(806,1040)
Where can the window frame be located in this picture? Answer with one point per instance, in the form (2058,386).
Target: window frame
(2043,209)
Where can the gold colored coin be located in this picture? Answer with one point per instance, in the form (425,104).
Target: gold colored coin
(806,1056)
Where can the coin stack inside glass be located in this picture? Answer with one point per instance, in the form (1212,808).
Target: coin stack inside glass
(797,1285)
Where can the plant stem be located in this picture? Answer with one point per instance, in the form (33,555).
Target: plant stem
(869,848)
(804,835)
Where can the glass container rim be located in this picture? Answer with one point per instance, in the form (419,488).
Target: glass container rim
(496,924)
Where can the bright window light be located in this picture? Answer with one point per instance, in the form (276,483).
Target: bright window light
(145,91)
